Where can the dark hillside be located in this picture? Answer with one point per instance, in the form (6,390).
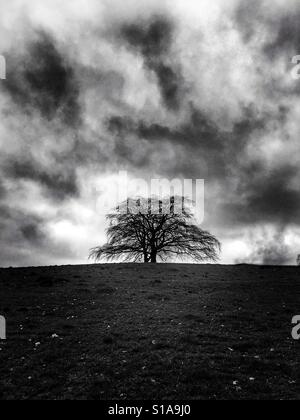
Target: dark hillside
(156,331)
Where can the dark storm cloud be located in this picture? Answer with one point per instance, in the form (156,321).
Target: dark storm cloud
(268,196)
(286,35)
(282,28)
(153,40)
(209,150)
(200,139)
(44,92)
(78,103)
(43,81)
(20,226)
(25,240)
(252,121)
(271,251)
(32,232)
(275,254)
(273,198)
(199,131)
(59,185)
(2,190)
(247,16)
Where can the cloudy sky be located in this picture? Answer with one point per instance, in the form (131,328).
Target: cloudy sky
(158,88)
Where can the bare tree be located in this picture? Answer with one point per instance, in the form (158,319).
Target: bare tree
(138,233)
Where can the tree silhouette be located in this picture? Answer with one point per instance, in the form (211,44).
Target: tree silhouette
(149,230)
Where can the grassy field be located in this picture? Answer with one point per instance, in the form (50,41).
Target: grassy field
(150,332)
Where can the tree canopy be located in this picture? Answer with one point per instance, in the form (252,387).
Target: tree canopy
(152,230)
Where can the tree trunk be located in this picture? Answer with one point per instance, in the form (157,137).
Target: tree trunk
(153,257)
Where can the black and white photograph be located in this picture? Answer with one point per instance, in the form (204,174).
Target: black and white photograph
(149,203)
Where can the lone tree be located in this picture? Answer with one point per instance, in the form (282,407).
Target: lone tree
(151,230)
